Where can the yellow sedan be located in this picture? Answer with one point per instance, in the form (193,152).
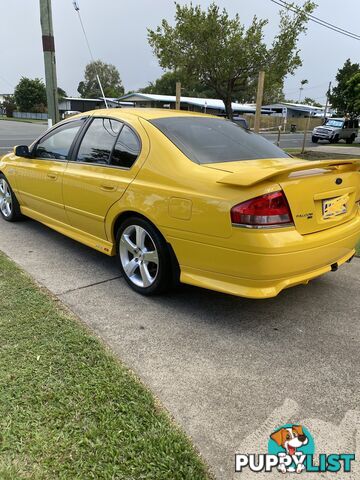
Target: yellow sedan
(189,197)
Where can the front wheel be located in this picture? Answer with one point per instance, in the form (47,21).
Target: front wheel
(9,206)
(335,139)
(314,139)
(144,257)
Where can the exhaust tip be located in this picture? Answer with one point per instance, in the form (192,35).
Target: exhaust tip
(334,267)
(348,261)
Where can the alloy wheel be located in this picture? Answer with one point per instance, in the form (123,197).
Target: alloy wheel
(139,256)
(6,204)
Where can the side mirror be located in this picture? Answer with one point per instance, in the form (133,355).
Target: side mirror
(22,151)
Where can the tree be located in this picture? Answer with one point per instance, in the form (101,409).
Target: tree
(311,101)
(352,96)
(110,80)
(9,105)
(210,48)
(30,95)
(339,96)
(302,84)
(61,94)
(166,85)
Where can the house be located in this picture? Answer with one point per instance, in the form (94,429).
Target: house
(294,110)
(77,104)
(193,104)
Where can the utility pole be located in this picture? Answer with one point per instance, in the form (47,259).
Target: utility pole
(327,101)
(259,99)
(178,95)
(49,61)
(305,132)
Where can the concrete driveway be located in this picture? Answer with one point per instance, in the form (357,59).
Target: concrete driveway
(229,370)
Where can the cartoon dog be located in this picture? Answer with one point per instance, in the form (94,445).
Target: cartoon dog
(290,439)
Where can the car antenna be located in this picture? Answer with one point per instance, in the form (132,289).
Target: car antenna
(77,10)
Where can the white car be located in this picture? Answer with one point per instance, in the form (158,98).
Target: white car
(335,129)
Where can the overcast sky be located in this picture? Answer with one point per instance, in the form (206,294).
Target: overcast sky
(117,34)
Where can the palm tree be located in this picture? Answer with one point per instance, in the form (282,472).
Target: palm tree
(302,83)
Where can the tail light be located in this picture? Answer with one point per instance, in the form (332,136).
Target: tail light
(270,210)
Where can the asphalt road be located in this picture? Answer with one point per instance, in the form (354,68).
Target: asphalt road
(229,370)
(18,133)
(295,140)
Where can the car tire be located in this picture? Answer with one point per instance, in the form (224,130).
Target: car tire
(350,140)
(9,206)
(335,139)
(314,139)
(144,257)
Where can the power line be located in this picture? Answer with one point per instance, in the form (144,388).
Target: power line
(77,9)
(323,21)
(318,20)
(313,87)
(5,81)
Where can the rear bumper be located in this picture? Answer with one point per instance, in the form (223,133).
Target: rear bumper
(245,287)
(265,274)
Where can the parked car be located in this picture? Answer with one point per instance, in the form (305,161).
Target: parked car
(335,129)
(241,121)
(180,195)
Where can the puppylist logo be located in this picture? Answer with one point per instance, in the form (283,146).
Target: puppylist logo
(291,449)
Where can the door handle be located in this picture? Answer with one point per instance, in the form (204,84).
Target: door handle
(52,176)
(108,188)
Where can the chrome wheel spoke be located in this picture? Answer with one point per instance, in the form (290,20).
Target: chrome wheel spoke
(145,275)
(129,245)
(151,257)
(140,236)
(131,267)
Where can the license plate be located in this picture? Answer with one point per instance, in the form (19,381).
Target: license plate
(332,207)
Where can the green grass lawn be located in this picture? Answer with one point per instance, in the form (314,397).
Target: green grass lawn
(68,408)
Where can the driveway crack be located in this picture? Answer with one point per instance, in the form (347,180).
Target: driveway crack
(87,286)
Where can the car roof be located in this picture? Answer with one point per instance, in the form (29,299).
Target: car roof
(145,113)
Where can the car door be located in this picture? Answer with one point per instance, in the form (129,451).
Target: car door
(39,178)
(103,165)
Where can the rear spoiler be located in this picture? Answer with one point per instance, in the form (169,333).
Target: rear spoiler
(254,176)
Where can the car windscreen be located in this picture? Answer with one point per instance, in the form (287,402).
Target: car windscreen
(334,123)
(213,140)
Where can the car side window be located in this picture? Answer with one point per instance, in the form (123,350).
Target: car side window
(57,143)
(127,149)
(98,141)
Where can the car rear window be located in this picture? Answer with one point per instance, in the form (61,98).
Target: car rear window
(213,140)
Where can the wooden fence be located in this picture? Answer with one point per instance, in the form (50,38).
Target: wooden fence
(270,123)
